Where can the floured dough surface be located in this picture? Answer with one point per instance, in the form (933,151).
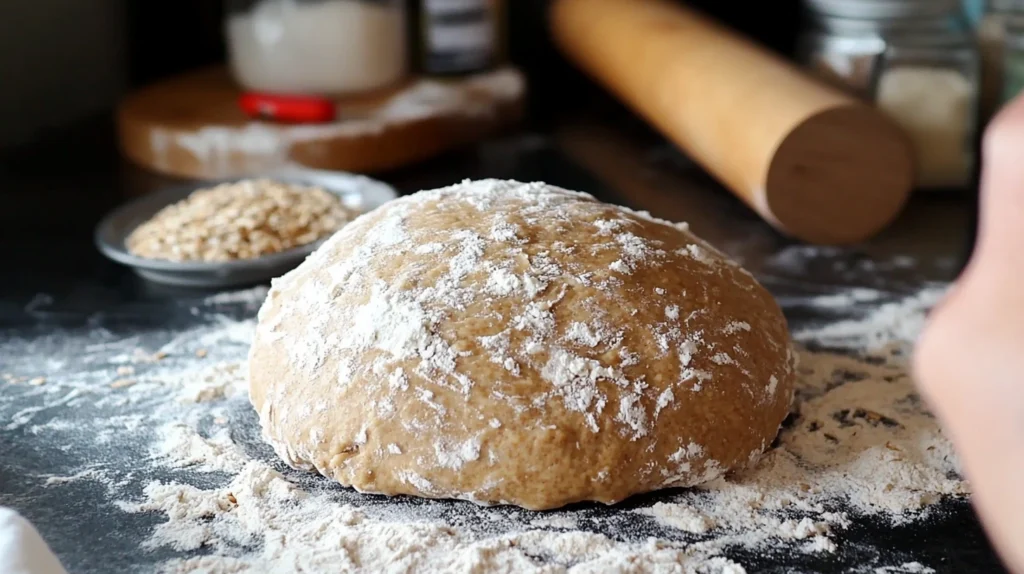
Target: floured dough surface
(516,343)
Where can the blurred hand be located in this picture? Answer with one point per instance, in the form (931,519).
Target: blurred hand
(969,361)
(22,551)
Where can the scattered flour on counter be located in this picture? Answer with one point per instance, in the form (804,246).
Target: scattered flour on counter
(907,568)
(897,321)
(307,532)
(219,381)
(819,544)
(797,259)
(182,446)
(90,474)
(251,296)
(846,298)
(680,516)
(555,522)
(860,443)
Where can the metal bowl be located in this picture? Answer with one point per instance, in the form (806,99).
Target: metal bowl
(356,192)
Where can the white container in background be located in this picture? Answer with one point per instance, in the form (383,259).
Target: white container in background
(317,47)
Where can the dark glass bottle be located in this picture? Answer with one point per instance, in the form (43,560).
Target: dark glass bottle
(457,37)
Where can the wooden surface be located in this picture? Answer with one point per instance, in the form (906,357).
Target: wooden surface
(191,126)
(811,160)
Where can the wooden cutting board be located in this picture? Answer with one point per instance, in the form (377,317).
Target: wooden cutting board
(191,126)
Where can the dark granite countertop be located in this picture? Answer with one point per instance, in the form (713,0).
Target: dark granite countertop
(55,284)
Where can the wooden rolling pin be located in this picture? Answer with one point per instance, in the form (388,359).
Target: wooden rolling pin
(814,162)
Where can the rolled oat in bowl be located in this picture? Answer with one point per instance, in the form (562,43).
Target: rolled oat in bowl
(240,220)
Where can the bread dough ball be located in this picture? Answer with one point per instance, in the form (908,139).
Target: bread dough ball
(515,343)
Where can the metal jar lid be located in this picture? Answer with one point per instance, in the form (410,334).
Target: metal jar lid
(883,9)
(930,31)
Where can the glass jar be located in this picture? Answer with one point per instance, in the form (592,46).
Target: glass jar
(1002,19)
(459,37)
(1012,61)
(918,63)
(316,47)
(975,10)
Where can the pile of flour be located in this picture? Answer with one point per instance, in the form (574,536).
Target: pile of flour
(859,443)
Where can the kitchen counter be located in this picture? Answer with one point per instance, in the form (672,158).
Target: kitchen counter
(55,285)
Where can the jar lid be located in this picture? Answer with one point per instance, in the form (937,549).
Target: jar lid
(925,31)
(883,9)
